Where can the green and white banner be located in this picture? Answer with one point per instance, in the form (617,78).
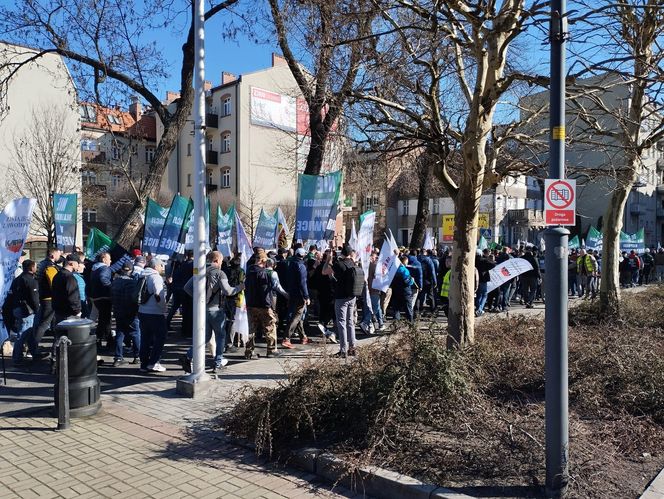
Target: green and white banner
(317,198)
(574,243)
(155,217)
(65,211)
(594,240)
(225,230)
(635,241)
(265,231)
(178,216)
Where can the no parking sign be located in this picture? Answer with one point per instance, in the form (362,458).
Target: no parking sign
(560,202)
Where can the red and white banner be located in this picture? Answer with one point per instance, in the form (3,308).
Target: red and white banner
(273,110)
(507,270)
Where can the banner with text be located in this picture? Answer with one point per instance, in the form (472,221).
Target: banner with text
(265,231)
(507,270)
(155,217)
(317,199)
(225,230)
(594,241)
(365,239)
(65,211)
(448,225)
(178,214)
(635,241)
(387,265)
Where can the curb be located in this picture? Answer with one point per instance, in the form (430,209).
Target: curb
(656,488)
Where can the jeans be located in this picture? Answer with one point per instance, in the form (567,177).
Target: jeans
(377,311)
(153,336)
(528,289)
(482,294)
(215,319)
(635,278)
(297,310)
(505,295)
(408,301)
(25,334)
(104,320)
(130,328)
(571,279)
(345,310)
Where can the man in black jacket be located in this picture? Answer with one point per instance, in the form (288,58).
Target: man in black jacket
(100,293)
(483,266)
(66,295)
(124,297)
(25,302)
(299,297)
(529,280)
(259,305)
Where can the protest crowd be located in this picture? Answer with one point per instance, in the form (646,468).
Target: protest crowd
(277,296)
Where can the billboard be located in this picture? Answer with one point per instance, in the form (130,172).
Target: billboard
(273,110)
(448,226)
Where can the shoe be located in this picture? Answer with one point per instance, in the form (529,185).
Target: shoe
(340,355)
(185,362)
(134,361)
(333,338)
(232,349)
(352,352)
(287,344)
(156,368)
(382,328)
(143,369)
(274,353)
(322,328)
(364,328)
(306,341)
(224,362)
(119,362)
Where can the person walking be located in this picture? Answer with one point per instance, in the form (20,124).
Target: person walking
(182,272)
(152,317)
(66,295)
(298,291)
(483,266)
(24,296)
(529,279)
(402,291)
(376,311)
(350,283)
(325,286)
(100,294)
(659,264)
(648,266)
(46,271)
(260,302)
(125,300)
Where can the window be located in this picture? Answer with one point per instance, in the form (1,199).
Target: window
(88,177)
(149,154)
(404,237)
(115,152)
(188,179)
(116,180)
(404,207)
(113,120)
(227,106)
(188,149)
(371,202)
(435,206)
(90,215)
(88,113)
(88,145)
(226,142)
(226,178)
(209,176)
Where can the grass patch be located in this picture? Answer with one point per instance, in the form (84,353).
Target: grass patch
(476,418)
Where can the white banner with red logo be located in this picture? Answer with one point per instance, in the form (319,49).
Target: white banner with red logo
(507,270)
(387,265)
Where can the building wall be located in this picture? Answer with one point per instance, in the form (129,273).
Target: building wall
(41,85)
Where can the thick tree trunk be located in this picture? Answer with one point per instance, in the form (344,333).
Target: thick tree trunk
(425,173)
(317,145)
(609,292)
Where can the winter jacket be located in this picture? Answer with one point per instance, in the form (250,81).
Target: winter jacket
(124,292)
(45,273)
(297,280)
(156,303)
(259,288)
(66,296)
(428,270)
(483,267)
(25,293)
(181,274)
(216,287)
(530,258)
(415,269)
(100,282)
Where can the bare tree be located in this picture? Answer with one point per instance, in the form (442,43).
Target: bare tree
(44,160)
(324,43)
(619,107)
(102,40)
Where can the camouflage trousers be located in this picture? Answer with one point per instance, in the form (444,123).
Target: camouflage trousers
(265,320)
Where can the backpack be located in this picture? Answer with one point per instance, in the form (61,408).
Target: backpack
(142,295)
(354,280)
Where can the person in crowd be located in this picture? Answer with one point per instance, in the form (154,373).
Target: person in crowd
(82,286)
(152,317)
(298,291)
(506,287)
(349,280)
(325,286)
(402,286)
(445,286)
(66,295)
(182,272)
(281,268)
(46,271)
(648,266)
(374,295)
(24,297)
(260,300)
(415,269)
(429,282)
(100,294)
(624,271)
(659,264)
(572,274)
(483,266)
(530,279)
(125,300)
(236,276)
(217,289)
(634,264)
(139,265)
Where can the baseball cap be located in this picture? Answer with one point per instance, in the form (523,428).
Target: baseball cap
(300,252)
(139,259)
(127,266)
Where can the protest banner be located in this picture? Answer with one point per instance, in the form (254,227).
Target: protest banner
(636,241)
(574,243)
(225,230)
(507,270)
(594,241)
(65,216)
(155,217)
(178,216)
(98,242)
(265,231)
(365,239)
(387,265)
(352,242)
(428,241)
(317,199)
(189,239)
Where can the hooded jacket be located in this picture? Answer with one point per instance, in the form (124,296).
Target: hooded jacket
(156,304)
(100,282)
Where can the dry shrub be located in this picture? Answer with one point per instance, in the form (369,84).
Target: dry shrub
(476,417)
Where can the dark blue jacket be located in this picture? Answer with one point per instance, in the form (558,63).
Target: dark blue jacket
(100,281)
(297,279)
(415,268)
(124,296)
(428,270)
(258,291)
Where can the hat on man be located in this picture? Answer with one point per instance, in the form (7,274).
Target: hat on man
(139,260)
(300,252)
(127,266)
(74,257)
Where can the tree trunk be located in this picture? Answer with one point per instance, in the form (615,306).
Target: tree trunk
(317,144)
(422,217)
(609,292)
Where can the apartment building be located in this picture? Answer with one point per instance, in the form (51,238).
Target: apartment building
(117,147)
(257,142)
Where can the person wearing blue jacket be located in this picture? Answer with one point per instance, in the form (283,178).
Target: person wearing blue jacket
(298,292)
(429,283)
(402,291)
(415,268)
(100,293)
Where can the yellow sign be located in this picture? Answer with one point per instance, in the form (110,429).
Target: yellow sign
(559,132)
(448,225)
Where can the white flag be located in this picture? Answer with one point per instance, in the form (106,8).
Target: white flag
(365,240)
(353,238)
(507,270)
(393,242)
(281,220)
(428,241)
(542,244)
(387,265)
(243,242)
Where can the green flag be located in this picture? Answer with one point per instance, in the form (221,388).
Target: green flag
(97,242)
(574,243)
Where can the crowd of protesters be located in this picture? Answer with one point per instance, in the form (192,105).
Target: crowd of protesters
(288,293)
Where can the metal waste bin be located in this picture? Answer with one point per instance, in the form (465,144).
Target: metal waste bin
(84,388)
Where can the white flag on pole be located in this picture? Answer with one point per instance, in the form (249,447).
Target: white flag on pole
(507,270)
(428,241)
(387,265)
(365,240)
(352,242)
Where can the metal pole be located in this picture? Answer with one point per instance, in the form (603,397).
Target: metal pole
(556,238)
(198,364)
(63,383)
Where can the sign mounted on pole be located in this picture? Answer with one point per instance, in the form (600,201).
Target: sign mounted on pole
(560,202)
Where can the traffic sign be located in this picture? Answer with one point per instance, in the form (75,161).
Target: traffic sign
(560,202)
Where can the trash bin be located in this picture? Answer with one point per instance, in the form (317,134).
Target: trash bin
(84,388)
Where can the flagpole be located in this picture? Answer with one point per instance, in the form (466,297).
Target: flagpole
(192,384)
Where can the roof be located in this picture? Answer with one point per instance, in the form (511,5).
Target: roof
(117,121)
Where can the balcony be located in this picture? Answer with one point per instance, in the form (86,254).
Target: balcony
(212,120)
(635,209)
(526,217)
(210,188)
(93,157)
(211,157)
